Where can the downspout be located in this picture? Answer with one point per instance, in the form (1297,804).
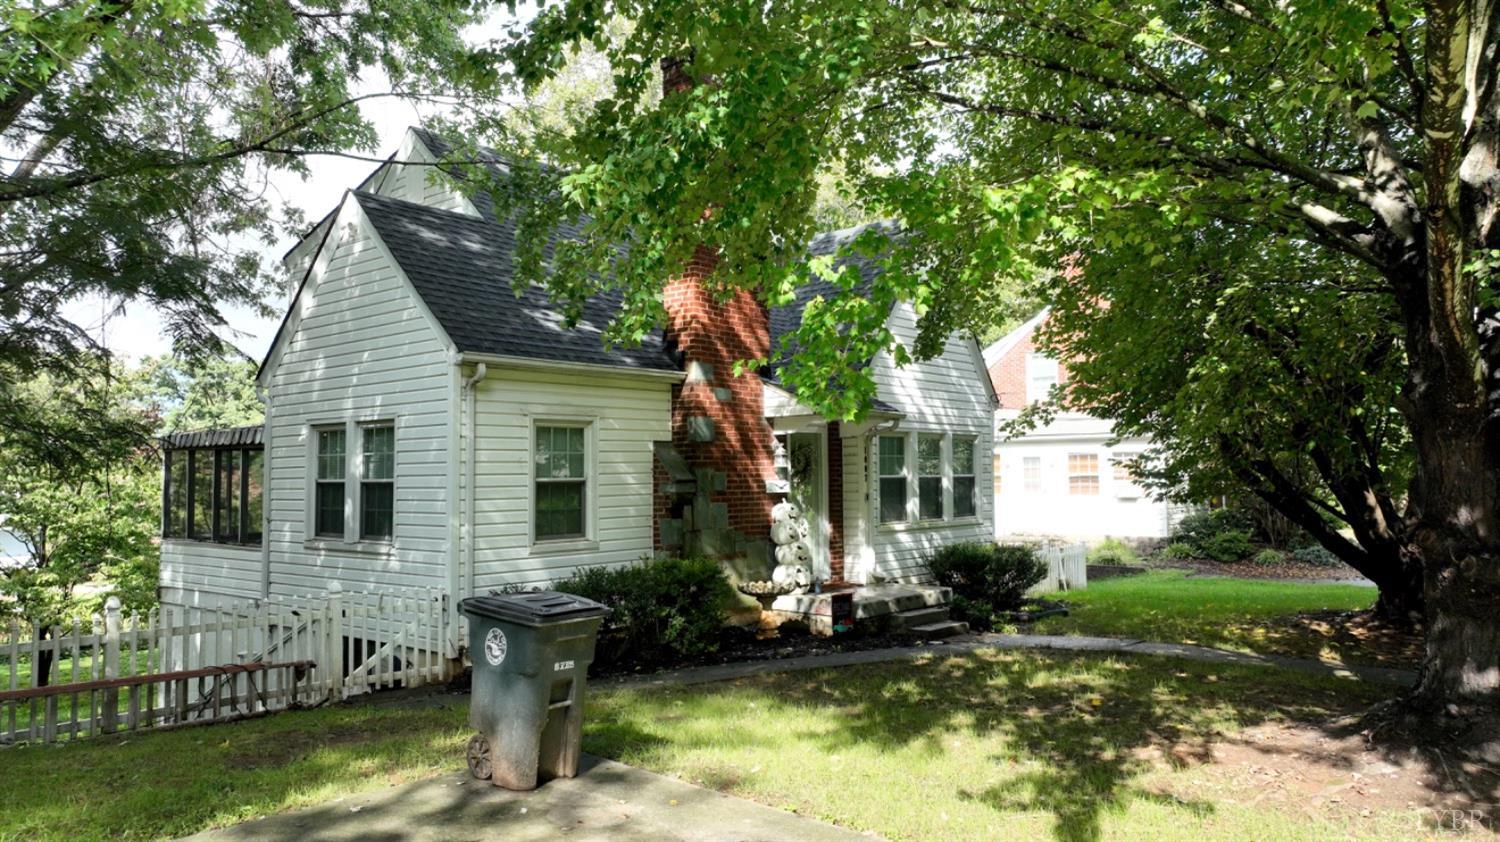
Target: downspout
(471,470)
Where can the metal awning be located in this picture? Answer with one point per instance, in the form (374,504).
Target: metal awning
(249,436)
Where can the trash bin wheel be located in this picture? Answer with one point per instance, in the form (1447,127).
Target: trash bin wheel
(479,757)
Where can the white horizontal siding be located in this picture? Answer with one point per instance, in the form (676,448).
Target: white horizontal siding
(946,394)
(1121,509)
(218,570)
(362,350)
(417,181)
(626,414)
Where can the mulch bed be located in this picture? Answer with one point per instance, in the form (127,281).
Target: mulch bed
(737,645)
(1285,569)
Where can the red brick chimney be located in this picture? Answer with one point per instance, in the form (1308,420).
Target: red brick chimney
(718,418)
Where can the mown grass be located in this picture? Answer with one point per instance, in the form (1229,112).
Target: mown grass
(1244,615)
(988,745)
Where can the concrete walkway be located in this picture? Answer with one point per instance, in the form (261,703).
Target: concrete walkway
(1065,643)
(607,801)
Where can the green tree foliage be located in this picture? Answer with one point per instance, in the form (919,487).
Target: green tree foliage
(138,138)
(202,392)
(85,514)
(1342,152)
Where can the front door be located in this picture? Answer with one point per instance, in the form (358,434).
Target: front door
(805,453)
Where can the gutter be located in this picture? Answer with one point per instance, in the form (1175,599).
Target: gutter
(558,365)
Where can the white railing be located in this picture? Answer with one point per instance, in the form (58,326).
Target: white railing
(1067,568)
(181,664)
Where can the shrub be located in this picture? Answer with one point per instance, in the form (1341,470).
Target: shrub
(1178,551)
(1316,554)
(988,574)
(1269,557)
(1200,526)
(662,610)
(1229,545)
(978,615)
(1113,551)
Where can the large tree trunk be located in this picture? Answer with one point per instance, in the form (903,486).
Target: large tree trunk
(1455,494)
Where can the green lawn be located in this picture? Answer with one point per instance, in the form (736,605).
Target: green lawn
(1241,614)
(989,745)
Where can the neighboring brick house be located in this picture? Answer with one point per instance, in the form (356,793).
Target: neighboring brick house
(1068,478)
(429,427)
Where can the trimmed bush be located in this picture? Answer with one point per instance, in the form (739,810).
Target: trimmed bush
(1178,551)
(1316,554)
(663,610)
(978,615)
(1229,545)
(1200,526)
(1113,551)
(988,574)
(1269,557)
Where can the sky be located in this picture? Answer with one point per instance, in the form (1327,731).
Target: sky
(135,330)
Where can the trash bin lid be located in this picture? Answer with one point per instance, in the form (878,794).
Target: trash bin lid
(539,608)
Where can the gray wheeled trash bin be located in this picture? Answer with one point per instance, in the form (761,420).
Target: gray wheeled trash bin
(531,654)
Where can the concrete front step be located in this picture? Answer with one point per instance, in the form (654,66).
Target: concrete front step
(906,620)
(946,628)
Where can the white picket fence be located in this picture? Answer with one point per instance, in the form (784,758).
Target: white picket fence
(1067,568)
(180,665)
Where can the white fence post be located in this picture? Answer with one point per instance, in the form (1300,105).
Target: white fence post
(111,661)
(333,654)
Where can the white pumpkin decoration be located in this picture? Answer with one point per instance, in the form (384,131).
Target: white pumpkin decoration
(786,512)
(798,553)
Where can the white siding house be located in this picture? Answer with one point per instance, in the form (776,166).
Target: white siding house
(429,426)
(1069,478)
(937,402)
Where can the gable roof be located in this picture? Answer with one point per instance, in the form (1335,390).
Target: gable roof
(463,268)
(788,317)
(1002,346)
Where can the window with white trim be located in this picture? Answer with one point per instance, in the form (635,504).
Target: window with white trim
(929,477)
(1125,483)
(1083,474)
(560,481)
(377,482)
(964,502)
(892,469)
(1031,474)
(328,494)
(1041,376)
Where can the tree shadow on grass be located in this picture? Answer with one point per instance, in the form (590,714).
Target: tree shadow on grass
(1079,731)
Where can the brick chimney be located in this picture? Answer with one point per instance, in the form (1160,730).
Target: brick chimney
(718,418)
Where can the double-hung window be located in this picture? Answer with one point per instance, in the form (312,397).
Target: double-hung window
(892,468)
(1083,474)
(332,473)
(377,482)
(964,504)
(930,477)
(1031,474)
(560,482)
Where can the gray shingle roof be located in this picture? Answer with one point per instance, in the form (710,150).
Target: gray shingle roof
(463,269)
(787,318)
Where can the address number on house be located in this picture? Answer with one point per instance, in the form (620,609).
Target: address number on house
(562,665)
